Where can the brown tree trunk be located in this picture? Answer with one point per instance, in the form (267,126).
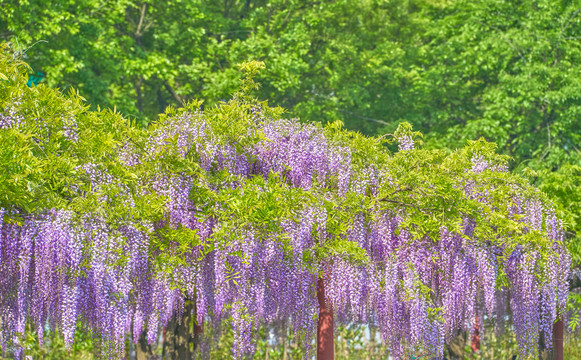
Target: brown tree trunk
(325,347)
(476,336)
(178,335)
(556,351)
(143,350)
(455,346)
(198,332)
(558,330)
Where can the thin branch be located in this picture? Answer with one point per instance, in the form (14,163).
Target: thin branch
(443,210)
(549,134)
(142,148)
(149,25)
(364,117)
(407,188)
(173,93)
(120,29)
(568,22)
(382,137)
(141,18)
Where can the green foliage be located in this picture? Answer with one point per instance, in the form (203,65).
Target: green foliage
(572,346)
(564,186)
(352,342)
(455,70)
(53,347)
(37,155)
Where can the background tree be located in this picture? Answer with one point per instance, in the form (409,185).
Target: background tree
(505,71)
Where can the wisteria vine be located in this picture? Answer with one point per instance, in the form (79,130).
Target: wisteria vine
(68,270)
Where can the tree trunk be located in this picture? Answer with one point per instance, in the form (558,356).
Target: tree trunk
(556,352)
(179,336)
(456,346)
(475,336)
(558,339)
(143,350)
(198,332)
(325,347)
(371,344)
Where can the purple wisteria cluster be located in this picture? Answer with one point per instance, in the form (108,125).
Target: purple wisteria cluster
(10,117)
(303,154)
(59,269)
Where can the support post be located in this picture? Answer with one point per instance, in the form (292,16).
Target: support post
(325,346)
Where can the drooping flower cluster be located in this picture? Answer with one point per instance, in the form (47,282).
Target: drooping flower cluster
(70,270)
(303,154)
(405,142)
